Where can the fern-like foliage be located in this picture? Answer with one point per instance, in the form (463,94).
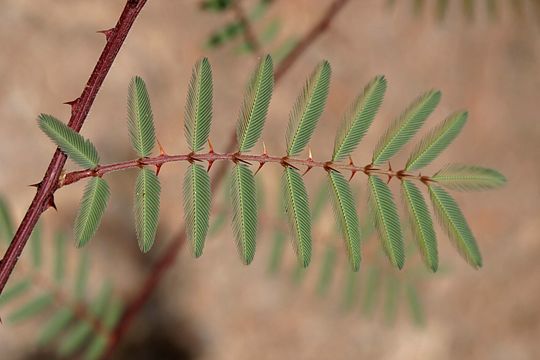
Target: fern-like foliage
(421,223)
(358,118)
(77,148)
(93,204)
(147,191)
(404,127)
(453,221)
(469,178)
(140,118)
(75,323)
(308,109)
(297,209)
(346,216)
(386,220)
(198,112)
(197,199)
(244,206)
(303,120)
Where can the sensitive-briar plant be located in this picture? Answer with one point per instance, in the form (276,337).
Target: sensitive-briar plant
(302,123)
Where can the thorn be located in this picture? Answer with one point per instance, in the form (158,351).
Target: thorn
(158,169)
(210,163)
(265,153)
(284,162)
(261,164)
(236,159)
(51,204)
(328,166)
(389,178)
(211,151)
(351,163)
(162,151)
(353,172)
(192,158)
(310,155)
(36,185)
(309,167)
(389,166)
(72,102)
(108,33)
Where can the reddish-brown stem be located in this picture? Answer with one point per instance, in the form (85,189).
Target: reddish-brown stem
(79,110)
(169,255)
(262,159)
(249,34)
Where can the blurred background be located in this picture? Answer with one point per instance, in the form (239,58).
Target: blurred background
(483,60)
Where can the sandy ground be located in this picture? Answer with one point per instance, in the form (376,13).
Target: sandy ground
(214,307)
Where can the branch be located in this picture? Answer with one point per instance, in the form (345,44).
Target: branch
(162,265)
(249,34)
(262,159)
(79,110)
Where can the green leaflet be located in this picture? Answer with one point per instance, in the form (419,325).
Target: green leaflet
(404,127)
(77,148)
(386,220)
(415,305)
(59,257)
(55,325)
(99,344)
(140,118)
(31,308)
(244,206)
(74,340)
(197,200)
(469,178)
(81,278)
(346,216)
(358,118)
(326,273)
(436,141)
(455,225)
(308,109)
(93,204)
(6,222)
(13,291)
(421,223)
(255,106)
(198,111)
(147,192)
(297,209)
(442,9)
(371,291)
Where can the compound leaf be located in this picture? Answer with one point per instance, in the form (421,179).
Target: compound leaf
(255,106)
(436,141)
(308,109)
(31,308)
(358,118)
(77,148)
(404,127)
(421,223)
(140,118)
(198,111)
(452,220)
(13,291)
(147,192)
(93,204)
(469,178)
(244,206)
(55,325)
(297,209)
(346,216)
(386,220)
(197,200)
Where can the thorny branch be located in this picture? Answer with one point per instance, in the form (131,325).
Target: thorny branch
(160,268)
(262,159)
(79,110)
